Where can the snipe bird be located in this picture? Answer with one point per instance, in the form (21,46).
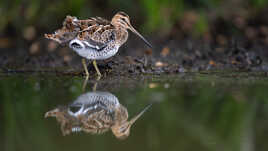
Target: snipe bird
(95,38)
(95,113)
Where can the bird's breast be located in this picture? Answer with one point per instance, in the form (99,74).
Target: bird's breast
(121,36)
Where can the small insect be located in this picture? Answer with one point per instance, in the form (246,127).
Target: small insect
(95,38)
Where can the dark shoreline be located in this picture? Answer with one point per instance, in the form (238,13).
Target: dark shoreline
(169,56)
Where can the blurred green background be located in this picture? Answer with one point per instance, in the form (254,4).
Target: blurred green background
(149,15)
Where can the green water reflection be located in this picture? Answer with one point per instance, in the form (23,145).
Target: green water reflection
(188,113)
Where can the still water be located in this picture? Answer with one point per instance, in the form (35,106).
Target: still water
(186,112)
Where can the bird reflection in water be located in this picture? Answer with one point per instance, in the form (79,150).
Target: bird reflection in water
(95,113)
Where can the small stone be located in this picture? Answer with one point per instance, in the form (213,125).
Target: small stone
(181,70)
(251,33)
(29,33)
(222,40)
(129,60)
(5,42)
(153,85)
(34,48)
(160,64)
(166,85)
(165,51)
(67,58)
(212,63)
(148,52)
(52,46)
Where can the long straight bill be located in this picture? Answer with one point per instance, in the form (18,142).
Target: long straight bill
(140,114)
(137,33)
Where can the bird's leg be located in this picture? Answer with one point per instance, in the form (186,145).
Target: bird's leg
(96,68)
(85,67)
(85,84)
(94,88)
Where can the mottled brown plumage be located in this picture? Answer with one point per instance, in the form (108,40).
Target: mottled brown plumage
(95,113)
(95,38)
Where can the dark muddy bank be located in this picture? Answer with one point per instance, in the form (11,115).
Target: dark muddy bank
(169,56)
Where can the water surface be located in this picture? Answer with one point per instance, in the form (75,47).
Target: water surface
(189,112)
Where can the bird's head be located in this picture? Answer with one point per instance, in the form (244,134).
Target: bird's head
(122,20)
(122,130)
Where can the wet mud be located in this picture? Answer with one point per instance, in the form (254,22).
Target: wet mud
(167,57)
